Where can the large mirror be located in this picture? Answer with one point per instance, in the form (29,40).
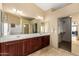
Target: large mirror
(0,22)
(15,24)
(20,19)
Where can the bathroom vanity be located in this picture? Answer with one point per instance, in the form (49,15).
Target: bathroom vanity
(25,45)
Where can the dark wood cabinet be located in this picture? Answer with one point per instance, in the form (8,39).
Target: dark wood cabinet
(20,48)
(0,49)
(31,45)
(39,42)
(13,48)
(34,44)
(45,41)
(24,46)
(10,48)
(27,49)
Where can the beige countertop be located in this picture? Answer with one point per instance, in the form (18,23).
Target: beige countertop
(21,36)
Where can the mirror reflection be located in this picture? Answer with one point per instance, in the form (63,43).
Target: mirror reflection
(14,24)
(0,22)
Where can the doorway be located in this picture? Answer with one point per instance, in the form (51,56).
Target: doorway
(64,33)
(35,28)
(26,28)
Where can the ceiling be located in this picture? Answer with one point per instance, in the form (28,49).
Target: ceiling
(25,9)
(32,10)
(46,6)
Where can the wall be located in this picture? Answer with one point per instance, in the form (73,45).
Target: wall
(47,26)
(52,17)
(75,18)
(0,6)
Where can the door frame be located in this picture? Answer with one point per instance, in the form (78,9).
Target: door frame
(28,26)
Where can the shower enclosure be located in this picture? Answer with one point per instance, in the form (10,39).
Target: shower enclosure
(64,24)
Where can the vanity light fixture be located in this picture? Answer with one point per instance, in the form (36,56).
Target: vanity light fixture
(39,17)
(17,11)
(70,16)
(24,25)
(14,10)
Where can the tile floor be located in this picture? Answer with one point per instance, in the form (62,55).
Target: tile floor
(49,51)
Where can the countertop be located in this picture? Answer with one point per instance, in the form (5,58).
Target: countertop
(21,36)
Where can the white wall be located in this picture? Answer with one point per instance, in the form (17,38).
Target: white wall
(0,6)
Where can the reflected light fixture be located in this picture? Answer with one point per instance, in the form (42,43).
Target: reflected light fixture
(14,9)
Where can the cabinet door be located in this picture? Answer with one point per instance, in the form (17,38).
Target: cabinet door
(45,41)
(34,44)
(39,42)
(20,48)
(10,49)
(0,49)
(13,48)
(31,45)
(27,47)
